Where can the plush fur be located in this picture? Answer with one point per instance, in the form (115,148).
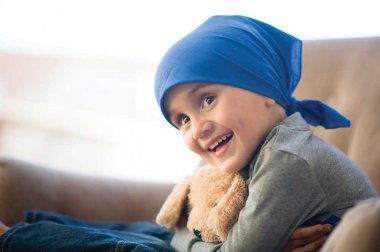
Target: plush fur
(212,199)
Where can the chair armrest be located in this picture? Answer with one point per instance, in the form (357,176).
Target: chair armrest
(28,186)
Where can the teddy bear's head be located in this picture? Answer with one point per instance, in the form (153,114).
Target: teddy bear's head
(213,200)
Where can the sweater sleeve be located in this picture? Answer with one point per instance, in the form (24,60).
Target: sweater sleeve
(283,193)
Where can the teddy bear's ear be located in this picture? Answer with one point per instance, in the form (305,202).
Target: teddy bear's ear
(171,210)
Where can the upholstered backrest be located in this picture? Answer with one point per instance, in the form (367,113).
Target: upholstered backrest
(345,73)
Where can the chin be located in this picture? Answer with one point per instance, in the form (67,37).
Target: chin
(221,167)
(228,168)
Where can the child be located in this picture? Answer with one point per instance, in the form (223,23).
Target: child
(227,86)
(44,231)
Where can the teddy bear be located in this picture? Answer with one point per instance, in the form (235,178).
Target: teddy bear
(212,200)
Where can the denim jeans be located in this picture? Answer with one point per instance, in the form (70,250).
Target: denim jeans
(44,231)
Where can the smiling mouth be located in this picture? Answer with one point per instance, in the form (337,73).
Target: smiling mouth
(220,142)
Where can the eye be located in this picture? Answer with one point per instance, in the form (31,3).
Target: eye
(183,119)
(207,100)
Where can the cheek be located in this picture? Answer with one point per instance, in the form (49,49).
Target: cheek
(234,120)
(228,116)
(190,143)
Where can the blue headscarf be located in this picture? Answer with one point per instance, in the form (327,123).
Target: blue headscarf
(245,53)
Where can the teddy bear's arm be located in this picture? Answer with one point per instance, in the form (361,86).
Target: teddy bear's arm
(171,210)
(225,214)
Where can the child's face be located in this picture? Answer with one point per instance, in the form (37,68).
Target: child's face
(224,125)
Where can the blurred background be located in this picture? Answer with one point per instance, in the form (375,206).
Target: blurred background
(76,77)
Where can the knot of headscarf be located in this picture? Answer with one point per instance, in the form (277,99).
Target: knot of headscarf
(318,113)
(245,53)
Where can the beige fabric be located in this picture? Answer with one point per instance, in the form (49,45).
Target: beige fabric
(359,230)
(346,74)
(26,186)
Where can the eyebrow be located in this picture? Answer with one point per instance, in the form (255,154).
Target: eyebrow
(197,87)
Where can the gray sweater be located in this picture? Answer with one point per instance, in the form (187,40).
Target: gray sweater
(294,179)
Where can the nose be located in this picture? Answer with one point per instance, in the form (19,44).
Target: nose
(201,129)
(197,233)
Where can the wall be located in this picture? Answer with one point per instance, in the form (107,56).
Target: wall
(91,116)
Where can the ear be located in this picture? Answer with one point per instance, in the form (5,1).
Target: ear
(269,102)
(225,214)
(171,210)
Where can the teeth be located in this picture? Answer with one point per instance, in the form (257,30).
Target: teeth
(223,138)
(213,146)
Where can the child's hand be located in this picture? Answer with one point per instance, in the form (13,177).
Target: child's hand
(307,239)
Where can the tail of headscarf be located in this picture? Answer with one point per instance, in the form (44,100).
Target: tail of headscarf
(245,53)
